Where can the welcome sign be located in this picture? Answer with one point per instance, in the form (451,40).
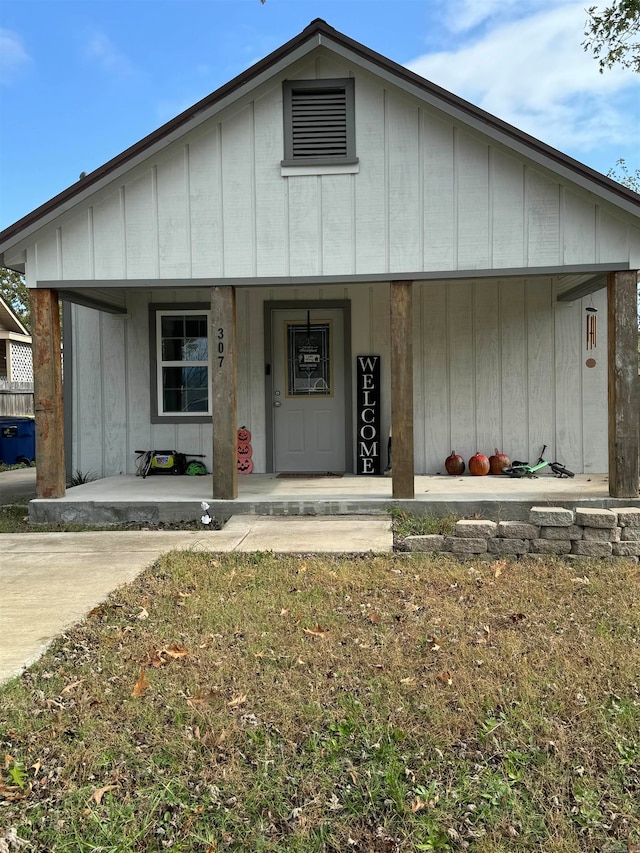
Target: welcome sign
(368,454)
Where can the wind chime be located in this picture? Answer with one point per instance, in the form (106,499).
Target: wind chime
(592,326)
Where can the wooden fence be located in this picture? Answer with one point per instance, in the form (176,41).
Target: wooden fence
(16,398)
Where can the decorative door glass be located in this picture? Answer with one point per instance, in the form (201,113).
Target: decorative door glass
(309,368)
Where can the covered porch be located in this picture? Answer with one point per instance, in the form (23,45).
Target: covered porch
(169,499)
(265,492)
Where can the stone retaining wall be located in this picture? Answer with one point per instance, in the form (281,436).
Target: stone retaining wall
(550,530)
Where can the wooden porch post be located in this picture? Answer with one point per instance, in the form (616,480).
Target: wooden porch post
(402,469)
(223,387)
(624,400)
(47,394)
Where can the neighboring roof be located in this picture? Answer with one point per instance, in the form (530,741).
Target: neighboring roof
(9,321)
(316,31)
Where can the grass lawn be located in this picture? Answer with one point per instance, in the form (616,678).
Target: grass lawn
(391,703)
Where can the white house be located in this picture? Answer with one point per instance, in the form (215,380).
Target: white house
(231,268)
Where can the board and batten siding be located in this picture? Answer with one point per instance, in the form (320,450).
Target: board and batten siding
(496,364)
(430,194)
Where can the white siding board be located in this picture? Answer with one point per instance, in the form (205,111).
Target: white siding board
(270,186)
(634,248)
(543,220)
(141,227)
(113,394)
(370,210)
(579,229)
(514,375)
(303,225)
(487,367)
(507,213)
(238,179)
(77,260)
(568,386)
(337,216)
(330,66)
(472,167)
(439,195)
(173,212)
(108,238)
(613,238)
(46,258)
(433,424)
(461,359)
(89,392)
(206,205)
(405,216)
(138,374)
(540,366)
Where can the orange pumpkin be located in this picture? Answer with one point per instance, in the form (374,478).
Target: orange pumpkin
(478,465)
(245,465)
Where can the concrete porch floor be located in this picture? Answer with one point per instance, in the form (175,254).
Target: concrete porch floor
(168,498)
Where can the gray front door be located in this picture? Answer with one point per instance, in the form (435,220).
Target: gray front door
(308,389)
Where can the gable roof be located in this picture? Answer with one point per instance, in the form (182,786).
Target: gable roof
(9,320)
(317,33)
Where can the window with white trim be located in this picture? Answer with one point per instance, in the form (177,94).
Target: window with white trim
(319,122)
(182,363)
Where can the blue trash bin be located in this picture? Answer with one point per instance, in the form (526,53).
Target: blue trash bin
(17,440)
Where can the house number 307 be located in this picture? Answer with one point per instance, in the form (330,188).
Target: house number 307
(220,347)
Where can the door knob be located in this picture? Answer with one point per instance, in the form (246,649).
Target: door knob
(277,403)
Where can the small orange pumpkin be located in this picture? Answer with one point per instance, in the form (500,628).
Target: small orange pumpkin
(478,465)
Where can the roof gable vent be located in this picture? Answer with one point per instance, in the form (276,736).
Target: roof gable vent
(319,121)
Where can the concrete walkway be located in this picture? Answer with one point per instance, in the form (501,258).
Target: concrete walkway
(49,581)
(17,485)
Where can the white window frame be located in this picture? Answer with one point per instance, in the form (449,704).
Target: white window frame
(160,364)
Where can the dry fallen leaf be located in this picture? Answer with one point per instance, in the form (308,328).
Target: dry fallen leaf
(499,568)
(100,792)
(154,659)
(445,678)
(140,686)
(435,645)
(374,617)
(418,804)
(240,699)
(318,631)
(11,793)
(96,611)
(143,614)
(70,687)
(176,652)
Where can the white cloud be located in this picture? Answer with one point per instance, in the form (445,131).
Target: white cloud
(533,73)
(13,55)
(101,49)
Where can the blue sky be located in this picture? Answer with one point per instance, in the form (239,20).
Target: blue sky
(81,80)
